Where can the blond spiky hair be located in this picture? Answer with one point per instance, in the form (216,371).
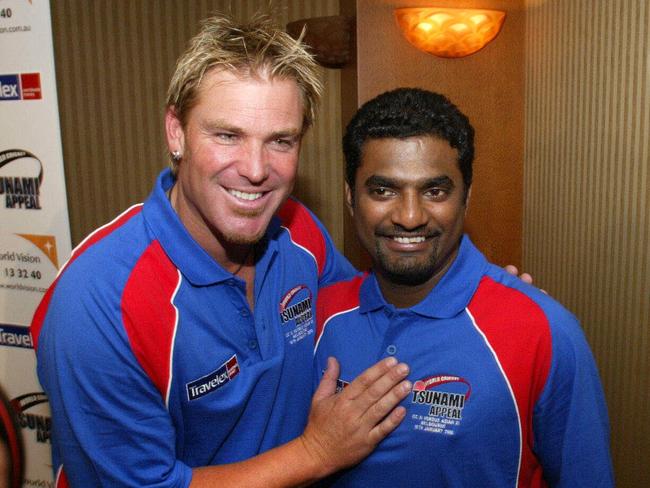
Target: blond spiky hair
(257,47)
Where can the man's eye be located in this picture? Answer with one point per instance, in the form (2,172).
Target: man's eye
(382,192)
(226,136)
(437,193)
(284,143)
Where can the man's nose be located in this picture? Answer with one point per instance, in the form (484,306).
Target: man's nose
(409,212)
(254,164)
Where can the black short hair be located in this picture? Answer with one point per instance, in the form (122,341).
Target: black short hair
(409,112)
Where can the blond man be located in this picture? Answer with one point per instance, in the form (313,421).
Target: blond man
(176,344)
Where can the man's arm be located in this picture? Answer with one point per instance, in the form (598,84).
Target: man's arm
(343,428)
(111,426)
(570,418)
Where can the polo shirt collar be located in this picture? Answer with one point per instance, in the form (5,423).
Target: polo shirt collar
(188,256)
(450,296)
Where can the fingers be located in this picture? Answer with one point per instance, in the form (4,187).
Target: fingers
(377,379)
(387,403)
(526,278)
(327,385)
(388,425)
(378,390)
(345,427)
(510,269)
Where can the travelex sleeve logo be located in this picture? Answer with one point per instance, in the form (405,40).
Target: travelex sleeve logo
(445,397)
(21,190)
(21,86)
(214,380)
(297,314)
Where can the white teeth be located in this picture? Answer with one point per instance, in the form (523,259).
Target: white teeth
(244,195)
(409,240)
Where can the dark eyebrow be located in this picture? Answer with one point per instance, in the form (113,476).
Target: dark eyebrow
(444,180)
(376,180)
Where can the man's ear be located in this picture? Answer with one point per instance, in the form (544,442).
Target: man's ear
(349,199)
(174,132)
(467,197)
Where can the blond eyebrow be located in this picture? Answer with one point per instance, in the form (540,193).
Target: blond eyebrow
(219,124)
(286,133)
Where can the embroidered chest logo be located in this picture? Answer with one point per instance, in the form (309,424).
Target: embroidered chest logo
(214,380)
(296,314)
(444,397)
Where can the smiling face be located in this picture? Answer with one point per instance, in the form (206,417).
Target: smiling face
(409,207)
(239,156)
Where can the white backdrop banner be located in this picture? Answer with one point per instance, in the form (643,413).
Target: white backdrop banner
(34,230)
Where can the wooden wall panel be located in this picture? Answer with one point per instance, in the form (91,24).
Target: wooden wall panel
(587,199)
(113,63)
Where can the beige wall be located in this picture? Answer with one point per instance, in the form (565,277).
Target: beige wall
(587,199)
(113,62)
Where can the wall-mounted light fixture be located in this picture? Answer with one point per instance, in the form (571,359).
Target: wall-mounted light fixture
(329,38)
(449,32)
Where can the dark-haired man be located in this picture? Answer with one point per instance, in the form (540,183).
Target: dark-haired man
(505,389)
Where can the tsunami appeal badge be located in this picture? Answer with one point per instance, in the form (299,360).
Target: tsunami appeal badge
(296,314)
(439,402)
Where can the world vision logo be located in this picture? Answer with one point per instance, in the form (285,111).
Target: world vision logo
(442,402)
(45,243)
(21,190)
(296,314)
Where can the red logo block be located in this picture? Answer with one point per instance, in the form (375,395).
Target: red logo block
(31,86)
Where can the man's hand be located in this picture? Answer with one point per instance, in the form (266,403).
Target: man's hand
(345,427)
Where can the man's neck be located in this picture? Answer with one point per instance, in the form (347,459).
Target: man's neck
(238,259)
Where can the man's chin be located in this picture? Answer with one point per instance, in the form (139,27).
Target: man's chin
(242,238)
(409,277)
(408,273)
(248,227)
(252,225)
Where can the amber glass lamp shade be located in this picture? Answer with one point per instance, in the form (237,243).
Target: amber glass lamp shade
(449,32)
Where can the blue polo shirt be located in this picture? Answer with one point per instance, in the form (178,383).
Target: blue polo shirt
(152,359)
(505,389)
